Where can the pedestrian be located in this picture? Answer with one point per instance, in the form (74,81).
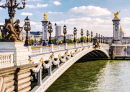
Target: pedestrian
(44,43)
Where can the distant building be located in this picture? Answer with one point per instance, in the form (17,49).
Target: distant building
(124,40)
(58,31)
(70,36)
(23,36)
(37,35)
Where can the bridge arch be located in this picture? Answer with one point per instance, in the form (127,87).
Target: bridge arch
(59,71)
(98,53)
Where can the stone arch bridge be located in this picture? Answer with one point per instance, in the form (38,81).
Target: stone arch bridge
(70,54)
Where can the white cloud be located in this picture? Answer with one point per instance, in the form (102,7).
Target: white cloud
(55,12)
(36,25)
(30,6)
(90,11)
(102,26)
(26,14)
(125,20)
(37,6)
(56,3)
(34,0)
(33,23)
(42,5)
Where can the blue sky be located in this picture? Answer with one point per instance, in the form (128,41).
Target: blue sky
(92,15)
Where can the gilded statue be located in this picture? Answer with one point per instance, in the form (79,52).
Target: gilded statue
(116,14)
(45,16)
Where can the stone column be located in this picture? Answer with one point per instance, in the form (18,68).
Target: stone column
(116,31)
(45,34)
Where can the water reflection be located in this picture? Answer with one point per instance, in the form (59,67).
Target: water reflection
(95,76)
(115,77)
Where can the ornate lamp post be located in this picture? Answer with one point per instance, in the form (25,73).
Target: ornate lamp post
(75,33)
(50,30)
(27,28)
(64,32)
(82,35)
(87,35)
(101,38)
(106,40)
(96,35)
(91,36)
(55,32)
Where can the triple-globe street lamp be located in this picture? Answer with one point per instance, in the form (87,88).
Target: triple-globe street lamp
(11,5)
(75,33)
(82,35)
(64,32)
(50,30)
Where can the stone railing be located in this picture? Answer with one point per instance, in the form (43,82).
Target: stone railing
(6,59)
(54,48)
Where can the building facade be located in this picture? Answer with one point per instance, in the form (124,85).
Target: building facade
(58,31)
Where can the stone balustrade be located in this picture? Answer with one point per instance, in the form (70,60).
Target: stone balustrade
(6,59)
(54,48)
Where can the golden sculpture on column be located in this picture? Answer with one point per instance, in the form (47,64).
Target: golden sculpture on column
(116,14)
(45,16)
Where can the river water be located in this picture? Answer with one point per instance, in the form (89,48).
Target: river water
(95,76)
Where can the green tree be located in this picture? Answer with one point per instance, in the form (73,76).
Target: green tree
(69,41)
(31,41)
(0,36)
(54,40)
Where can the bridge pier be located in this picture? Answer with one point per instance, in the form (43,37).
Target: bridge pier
(39,81)
(50,71)
(75,44)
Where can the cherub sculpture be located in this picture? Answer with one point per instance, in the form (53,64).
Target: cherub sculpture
(116,14)
(11,31)
(45,16)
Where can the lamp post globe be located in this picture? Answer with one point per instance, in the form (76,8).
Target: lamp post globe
(64,32)
(87,35)
(91,36)
(75,33)
(55,32)
(99,38)
(103,39)
(82,35)
(50,30)
(96,35)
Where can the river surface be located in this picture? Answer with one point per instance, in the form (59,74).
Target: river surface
(95,76)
